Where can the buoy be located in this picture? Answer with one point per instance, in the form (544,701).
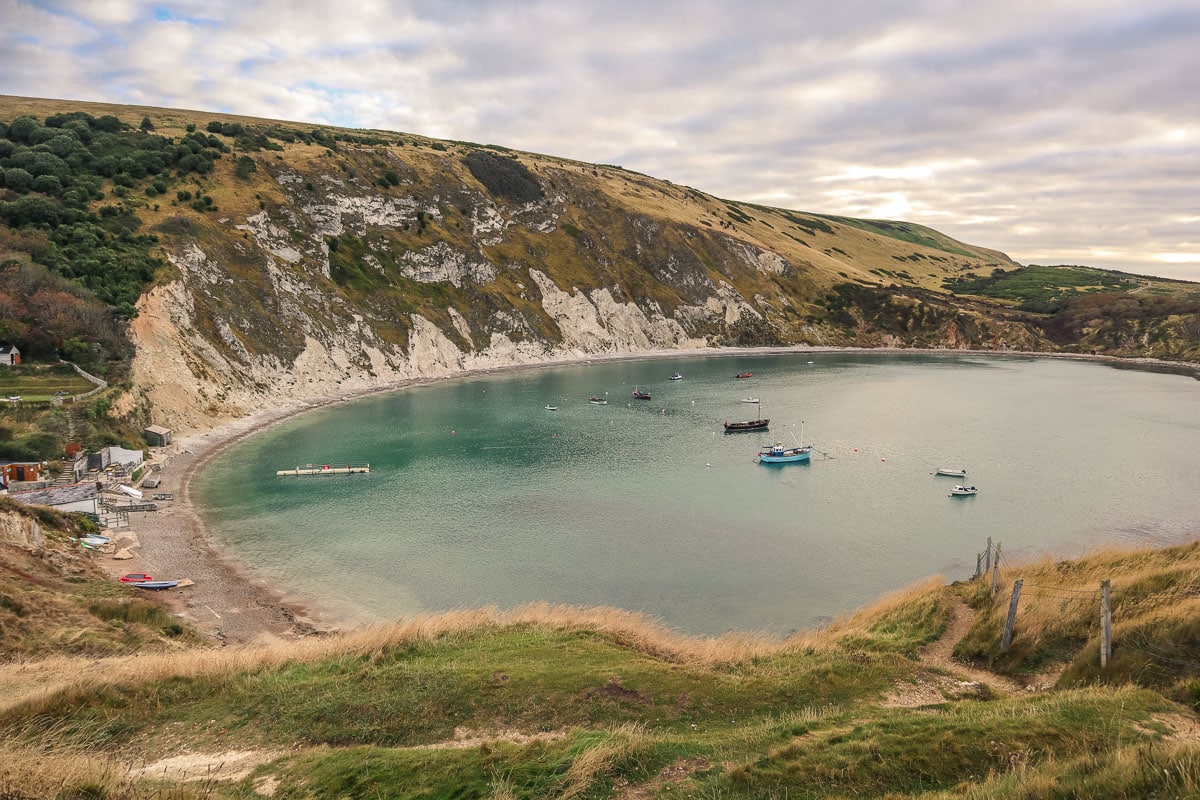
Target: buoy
(883,459)
(856,449)
(452,433)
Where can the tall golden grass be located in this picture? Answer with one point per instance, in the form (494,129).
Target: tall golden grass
(1065,596)
(626,742)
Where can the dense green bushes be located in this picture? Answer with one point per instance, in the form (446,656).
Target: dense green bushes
(52,174)
(504,177)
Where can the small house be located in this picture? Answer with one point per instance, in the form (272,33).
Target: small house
(76,497)
(23,471)
(157,436)
(10,356)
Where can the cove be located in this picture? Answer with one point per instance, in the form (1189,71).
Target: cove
(479,496)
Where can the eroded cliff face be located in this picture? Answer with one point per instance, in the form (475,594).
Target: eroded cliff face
(21,531)
(316,280)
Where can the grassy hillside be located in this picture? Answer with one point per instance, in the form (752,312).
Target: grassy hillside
(556,702)
(274,238)
(55,601)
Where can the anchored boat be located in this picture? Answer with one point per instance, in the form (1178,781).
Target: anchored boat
(778,454)
(325,469)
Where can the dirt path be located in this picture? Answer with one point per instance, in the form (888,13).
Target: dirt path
(951,678)
(940,654)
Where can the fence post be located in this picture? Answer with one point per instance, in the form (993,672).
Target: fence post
(1006,639)
(996,571)
(1105,623)
(978,566)
(987,567)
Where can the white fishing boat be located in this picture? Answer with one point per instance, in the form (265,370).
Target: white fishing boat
(551,408)
(749,399)
(951,472)
(963,491)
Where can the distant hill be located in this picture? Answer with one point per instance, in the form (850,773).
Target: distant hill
(258,262)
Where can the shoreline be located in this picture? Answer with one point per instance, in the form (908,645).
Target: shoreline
(229,603)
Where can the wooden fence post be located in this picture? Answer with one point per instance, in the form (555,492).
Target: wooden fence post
(1105,623)
(987,567)
(1006,639)
(978,566)
(996,571)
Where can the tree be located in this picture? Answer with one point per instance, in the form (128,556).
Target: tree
(147,125)
(17,179)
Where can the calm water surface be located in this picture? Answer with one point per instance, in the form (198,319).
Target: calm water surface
(478,496)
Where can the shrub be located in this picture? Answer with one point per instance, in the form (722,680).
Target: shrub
(504,177)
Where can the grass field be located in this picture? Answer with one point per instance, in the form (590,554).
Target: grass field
(545,701)
(33,382)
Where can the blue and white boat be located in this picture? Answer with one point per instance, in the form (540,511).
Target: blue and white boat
(778,454)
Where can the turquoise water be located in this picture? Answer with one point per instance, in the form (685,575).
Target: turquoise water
(478,496)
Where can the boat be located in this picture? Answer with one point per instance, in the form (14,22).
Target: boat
(950,472)
(778,454)
(638,395)
(551,408)
(598,401)
(325,469)
(675,376)
(95,540)
(156,584)
(743,375)
(963,491)
(750,425)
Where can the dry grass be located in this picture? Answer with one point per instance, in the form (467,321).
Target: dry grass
(626,742)
(1065,595)
(38,681)
(859,623)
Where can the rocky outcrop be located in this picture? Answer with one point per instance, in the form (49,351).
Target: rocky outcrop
(20,530)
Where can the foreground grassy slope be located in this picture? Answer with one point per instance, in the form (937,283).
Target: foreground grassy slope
(555,702)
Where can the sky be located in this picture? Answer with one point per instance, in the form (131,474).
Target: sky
(1056,131)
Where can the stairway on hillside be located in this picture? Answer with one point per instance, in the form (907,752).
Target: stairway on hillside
(67,476)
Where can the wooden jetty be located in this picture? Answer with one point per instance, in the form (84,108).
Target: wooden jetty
(325,469)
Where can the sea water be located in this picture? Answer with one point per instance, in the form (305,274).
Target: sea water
(479,496)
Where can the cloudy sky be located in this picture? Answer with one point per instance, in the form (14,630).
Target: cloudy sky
(1058,131)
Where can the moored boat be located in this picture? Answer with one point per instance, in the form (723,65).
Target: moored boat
(963,491)
(951,472)
(598,401)
(778,454)
(675,376)
(749,425)
(749,399)
(639,395)
(744,375)
(551,408)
